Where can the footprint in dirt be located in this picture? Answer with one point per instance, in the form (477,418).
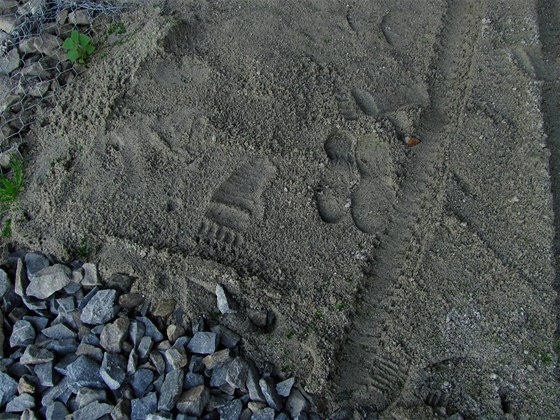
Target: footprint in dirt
(360,175)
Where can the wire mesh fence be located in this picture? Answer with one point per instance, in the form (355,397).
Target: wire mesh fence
(35,57)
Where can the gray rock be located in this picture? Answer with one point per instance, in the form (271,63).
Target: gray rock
(91,351)
(44,373)
(56,411)
(203,343)
(193,401)
(164,346)
(262,318)
(62,366)
(64,346)
(4,283)
(9,62)
(34,355)
(31,7)
(141,407)
(38,90)
(237,372)
(113,370)
(218,377)
(182,342)
(7,101)
(59,332)
(193,380)
(131,300)
(9,6)
(284,388)
(252,383)
(121,410)
(173,332)
(176,357)
(92,411)
(48,281)
(231,410)
(38,306)
(158,383)
(264,414)
(66,305)
(159,416)
(8,388)
(196,365)
(90,275)
(84,372)
(151,329)
(268,388)
(164,308)
(228,338)
(282,416)
(226,304)
(86,396)
(8,23)
(35,262)
(132,362)
(38,322)
(20,281)
(113,335)
(122,282)
(141,381)
(79,17)
(55,392)
(246,414)
(100,309)
(136,331)
(171,390)
(157,360)
(296,403)
(217,359)
(23,334)
(20,404)
(45,43)
(145,347)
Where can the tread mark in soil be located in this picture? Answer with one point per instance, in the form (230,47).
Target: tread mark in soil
(365,101)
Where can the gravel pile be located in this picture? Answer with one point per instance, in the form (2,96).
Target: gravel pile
(72,344)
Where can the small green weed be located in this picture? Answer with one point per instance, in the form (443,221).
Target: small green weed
(290,335)
(10,187)
(7,228)
(341,306)
(79,47)
(85,250)
(547,359)
(117,28)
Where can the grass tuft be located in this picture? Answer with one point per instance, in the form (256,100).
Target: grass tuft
(11,186)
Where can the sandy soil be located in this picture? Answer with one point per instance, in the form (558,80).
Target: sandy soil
(261,145)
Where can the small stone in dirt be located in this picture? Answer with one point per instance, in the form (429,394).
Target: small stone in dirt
(20,404)
(56,410)
(141,380)
(231,410)
(48,281)
(237,372)
(92,411)
(227,337)
(151,329)
(264,414)
(86,396)
(113,335)
(141,407)
(59,332)
(79,17)
(84,372)
(131,300)
(252,383)
(164,308)
(261,317)
(113,370)
(34,355)
(171,390)
(203,343)
(193,401)
(100,308)
(122,282)
(176,357)
(217,359)
(226,304)
(90,275)
(285,387)
(174,332)
(8,388)
(23,334)
(44,373)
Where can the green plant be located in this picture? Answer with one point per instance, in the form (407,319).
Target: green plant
(341,306)
(11,186)
(7,228)
(85,250)
(117,28)
(79,47)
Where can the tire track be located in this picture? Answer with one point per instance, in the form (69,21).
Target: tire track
(372,370)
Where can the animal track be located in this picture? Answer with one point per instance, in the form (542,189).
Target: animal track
(236,204)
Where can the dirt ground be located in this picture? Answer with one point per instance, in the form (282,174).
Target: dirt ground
(263,145)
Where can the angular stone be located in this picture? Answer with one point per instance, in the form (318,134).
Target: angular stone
(264,414)
(79,17)
(8,23)
(59,332)
(4,283)
(23,334)
(252,383)
(193,401)
(157,360)
(231,410)
(262,318)
(64,346)
(40,89)
(86,396)
(285,387)
(113,335)
(48,281)
(176,357)
(55,392)
(217,359)
(296,404)
(56,411)
(237,372)
(113,370)
(45,43)
(193,380)
(171,390)
(131,300)
(226,304)
(132,362)
(141,381)
(20,404)
(203,343)
(90,275)
(173,332)
(196,365)
(91,351)
(31,7)
(35,262)
(218,378)
(158,383)
(92,411)
(100,309)
(44,373)
(20,281)
(164,308)
(228,338)
(136,332)
(84,372)
(145,347)
(151,329)
(121,410)
(62,366)
(25,385)
(8,388)
(141,407)
(268,388)
(34,355)
(164,346)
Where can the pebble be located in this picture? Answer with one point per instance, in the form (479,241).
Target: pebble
(150,329)
(23,334)
(176,357)
(59,332)
(171,390)
(56,411)
(34,355)
(174,332)
(113,370)
(86,396)
(231,410)
(237,372)
(8,388)
(100,308)
(164,308)
(217,359)
(268,388)
(252,383)
(92,411)
(131,300)
(84,372)
(136,332)
(264,414)
(20,404)
(91,351)
(35,262)
(141,407)
(48,281)
(203,343)
(141,380)
(90,278)
(44,373)
(193,380)
(25,385)
(193,401)
(113,335)
(228,338)
(121,282)
(226,304)
(145,347)
(285,387)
